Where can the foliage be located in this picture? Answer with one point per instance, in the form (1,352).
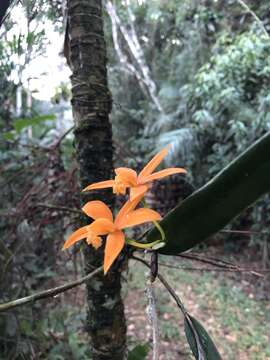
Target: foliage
(229,104)
(139,352)
(230,96)
(200,343)
(32,171)
(171,40)
(30,175)
(210,63)
(21,124)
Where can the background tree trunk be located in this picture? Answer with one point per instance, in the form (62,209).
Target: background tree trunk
(3,9)
(91,102)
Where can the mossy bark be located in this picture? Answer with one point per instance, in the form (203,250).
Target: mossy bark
(91,102)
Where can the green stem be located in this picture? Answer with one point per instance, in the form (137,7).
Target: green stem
(143,246)
(156,223)
(160,230)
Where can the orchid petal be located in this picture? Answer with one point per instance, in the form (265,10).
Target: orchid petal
(163,173)
(101,226)
(153,163)
(137,191)
(100,185)
(128,176)
(77,235)
(97,209)
(114,244)
(126,208)
(140,216)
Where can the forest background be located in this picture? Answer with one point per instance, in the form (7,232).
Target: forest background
(194,74)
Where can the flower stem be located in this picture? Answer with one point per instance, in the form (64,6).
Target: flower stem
(163,237)
(141,245)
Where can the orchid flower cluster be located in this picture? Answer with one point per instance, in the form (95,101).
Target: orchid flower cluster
(127,216)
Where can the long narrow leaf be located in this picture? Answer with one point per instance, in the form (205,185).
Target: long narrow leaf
(213,206)
(200,342)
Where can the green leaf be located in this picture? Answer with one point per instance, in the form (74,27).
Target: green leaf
(214,205)
(20,124)
(139,352)
(200,342)
(9,135)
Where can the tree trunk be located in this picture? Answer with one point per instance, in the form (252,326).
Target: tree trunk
(91,102)
(3,9)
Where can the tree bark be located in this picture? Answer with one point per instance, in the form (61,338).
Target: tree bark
(91,103)
(3,9)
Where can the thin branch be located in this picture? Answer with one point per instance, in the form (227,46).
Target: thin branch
(212,261)
(140,58)
(122,57)
(185,313)
(46,206)
(13,177)
(137,53)
(58,207)
(49,292)
(215,262)
(62,137)
(6,8)
(247,270)
(245,232)
(256,18)
(40,169)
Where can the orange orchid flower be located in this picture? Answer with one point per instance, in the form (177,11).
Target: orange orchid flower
(138,184)
(104,225)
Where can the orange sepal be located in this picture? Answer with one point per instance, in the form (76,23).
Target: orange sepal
(140,216)
(100,185)
(163,173)
(114,244)
(77,235)
(153,163)
(125,209)
(97,209)
(137,191)
(101,227)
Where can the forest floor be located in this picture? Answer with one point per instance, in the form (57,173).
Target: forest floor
(234,307)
